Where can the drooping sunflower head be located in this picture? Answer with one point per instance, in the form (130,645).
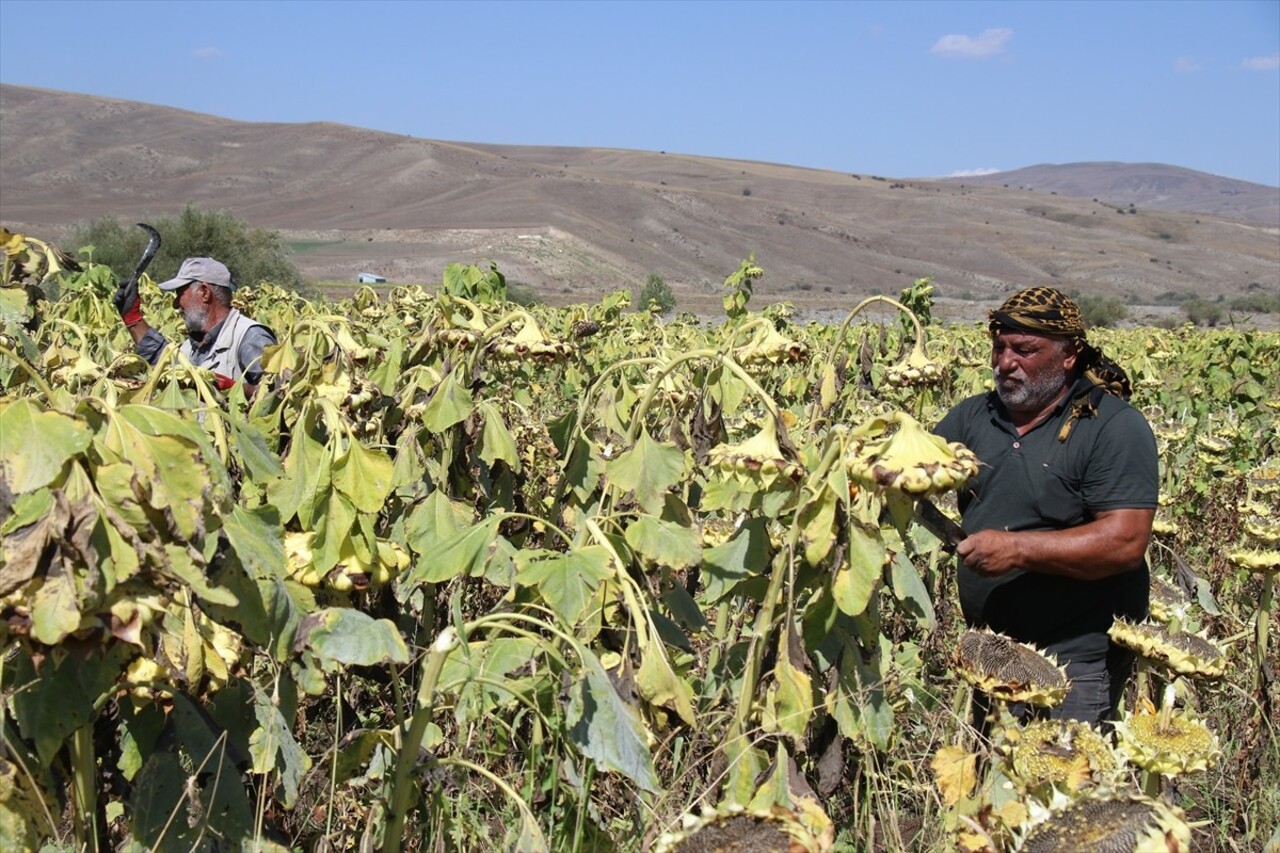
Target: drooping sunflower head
(1008,670)
(1113,824)
(895,452)
(1260,560)
(1182,651)
(759,459)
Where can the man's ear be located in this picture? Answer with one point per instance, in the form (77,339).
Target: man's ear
(1070,354)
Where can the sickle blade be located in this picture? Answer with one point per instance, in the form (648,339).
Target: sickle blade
(153,246)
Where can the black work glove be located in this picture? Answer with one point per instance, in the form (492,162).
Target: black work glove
(128,302)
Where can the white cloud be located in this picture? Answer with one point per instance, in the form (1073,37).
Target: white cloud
(1263,63)
(207,53)
(973,173)
(1185,65)
(968,47)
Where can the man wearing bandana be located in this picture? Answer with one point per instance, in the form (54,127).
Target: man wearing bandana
(1059,516)
(219,337)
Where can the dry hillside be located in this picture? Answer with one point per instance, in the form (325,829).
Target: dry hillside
(573,223)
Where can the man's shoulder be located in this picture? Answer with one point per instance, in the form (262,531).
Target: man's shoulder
(249,324)
(971,405)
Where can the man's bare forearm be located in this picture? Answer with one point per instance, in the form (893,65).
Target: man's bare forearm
(1112,543)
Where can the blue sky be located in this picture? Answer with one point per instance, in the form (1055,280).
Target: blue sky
(898,89)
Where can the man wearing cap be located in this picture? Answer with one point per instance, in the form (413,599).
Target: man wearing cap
(219,337)
(1059,515)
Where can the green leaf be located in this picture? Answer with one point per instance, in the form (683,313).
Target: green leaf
(434,521)
(272,747)
(790,697)
(450,404)
(364,476)
(55,612)
(648,469)
(340,636)
(265,613)
(910,589)
(605,728)
(658,682)
(861,709)
(62,697)
(168,461)
(818,525)
(566,581)
(496,441)
(480,671)
(334,525)
(183,567)
(665,542)
(464,554)
(306,475)
(259,461)
(856,580)
(744,555)
(34,445)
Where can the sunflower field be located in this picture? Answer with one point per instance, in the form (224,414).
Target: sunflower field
(464,575)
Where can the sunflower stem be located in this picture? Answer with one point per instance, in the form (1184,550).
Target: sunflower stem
(1152,784)
(1262,628)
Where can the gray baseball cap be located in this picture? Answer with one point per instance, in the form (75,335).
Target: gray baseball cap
(200,269)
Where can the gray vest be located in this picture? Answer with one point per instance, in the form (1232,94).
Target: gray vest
(222,356)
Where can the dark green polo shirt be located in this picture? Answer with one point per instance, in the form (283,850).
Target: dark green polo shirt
(1036,482)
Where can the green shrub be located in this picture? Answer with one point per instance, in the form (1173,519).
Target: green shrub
(1102,310)
(1202,312)
(657,292)
(252,254)
(1257,303)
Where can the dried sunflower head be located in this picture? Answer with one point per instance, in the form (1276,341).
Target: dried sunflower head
(1182,651)
(1112,824)
(1008,670)
(735,828)
(1265,479)
(1167,600)
(1263,530)
(1261,560)
(1066,754)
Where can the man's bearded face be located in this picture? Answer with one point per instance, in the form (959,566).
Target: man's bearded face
(1031,370)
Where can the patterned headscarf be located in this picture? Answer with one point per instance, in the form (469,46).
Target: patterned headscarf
(1049,311)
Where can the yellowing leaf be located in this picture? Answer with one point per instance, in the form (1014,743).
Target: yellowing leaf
(34,445)
(1014,813)
(955,772)
(364,476)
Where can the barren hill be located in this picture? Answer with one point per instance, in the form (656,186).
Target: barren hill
(574,223)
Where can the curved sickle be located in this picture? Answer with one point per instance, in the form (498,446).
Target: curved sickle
(153,246)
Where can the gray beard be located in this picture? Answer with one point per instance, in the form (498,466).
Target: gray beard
(1030,396)
(195,321)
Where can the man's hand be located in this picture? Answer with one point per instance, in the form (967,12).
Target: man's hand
(128,302)
(990,552)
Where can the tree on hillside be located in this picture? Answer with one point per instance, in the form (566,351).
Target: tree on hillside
(657,292)
(252,254)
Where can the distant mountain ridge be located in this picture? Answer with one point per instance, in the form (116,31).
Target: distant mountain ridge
(1152,185)
(574,223)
